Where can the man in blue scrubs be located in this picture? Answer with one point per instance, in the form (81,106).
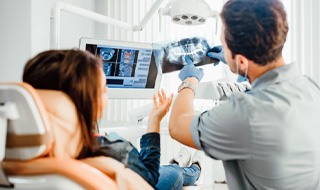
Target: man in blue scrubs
(268,137)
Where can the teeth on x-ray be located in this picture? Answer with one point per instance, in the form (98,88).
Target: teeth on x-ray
(172,54)
(195,48)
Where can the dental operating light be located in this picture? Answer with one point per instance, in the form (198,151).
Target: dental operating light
(186,12)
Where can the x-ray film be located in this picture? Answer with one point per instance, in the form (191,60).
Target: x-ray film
(172,55)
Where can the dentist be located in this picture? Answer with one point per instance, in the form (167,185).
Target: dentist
(267,137)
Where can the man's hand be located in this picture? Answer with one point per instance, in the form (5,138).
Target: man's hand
(217,53)
(189,70)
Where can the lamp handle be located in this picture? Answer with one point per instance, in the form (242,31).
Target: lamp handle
(215,15)
(160,12)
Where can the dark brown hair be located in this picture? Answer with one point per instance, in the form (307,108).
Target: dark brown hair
(256,29)
(77,74)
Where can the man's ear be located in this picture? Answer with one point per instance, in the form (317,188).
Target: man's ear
(242,62)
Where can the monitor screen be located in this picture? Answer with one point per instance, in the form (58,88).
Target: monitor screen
(130,67)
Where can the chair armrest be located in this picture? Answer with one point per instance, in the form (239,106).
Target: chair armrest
(80,172)
(125,177)
(106,165)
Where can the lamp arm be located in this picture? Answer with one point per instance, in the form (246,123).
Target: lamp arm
(59,6)
(148,16)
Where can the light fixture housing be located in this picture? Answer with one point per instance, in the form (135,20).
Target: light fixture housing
(188,12)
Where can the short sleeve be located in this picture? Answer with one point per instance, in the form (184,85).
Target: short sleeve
(224,132)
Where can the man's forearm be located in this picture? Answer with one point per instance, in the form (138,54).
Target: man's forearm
(182,113)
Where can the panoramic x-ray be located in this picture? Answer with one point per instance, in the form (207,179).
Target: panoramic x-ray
(172,55)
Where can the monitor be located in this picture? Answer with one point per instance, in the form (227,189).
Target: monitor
(130,67)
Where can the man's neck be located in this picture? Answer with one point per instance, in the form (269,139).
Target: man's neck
(255,70)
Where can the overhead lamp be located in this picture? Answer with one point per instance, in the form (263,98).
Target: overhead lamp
(188,12)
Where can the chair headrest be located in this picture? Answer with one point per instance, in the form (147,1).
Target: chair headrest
(64,123)
(47,123)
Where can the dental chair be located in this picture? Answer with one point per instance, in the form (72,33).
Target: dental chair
(39,140)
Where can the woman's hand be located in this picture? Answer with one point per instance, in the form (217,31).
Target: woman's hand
(161,105)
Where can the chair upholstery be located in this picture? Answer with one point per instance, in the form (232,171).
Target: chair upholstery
(49,126)
(63,118)
(125,177)
(84,175)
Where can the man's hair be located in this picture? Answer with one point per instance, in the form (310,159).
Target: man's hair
(256,29)
(77,74)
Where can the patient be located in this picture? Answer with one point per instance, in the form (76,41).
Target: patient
(80,75)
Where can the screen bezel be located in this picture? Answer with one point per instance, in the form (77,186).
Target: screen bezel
(126,93)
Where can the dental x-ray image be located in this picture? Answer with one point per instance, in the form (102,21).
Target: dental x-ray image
(172,55)
(107,54)
(125,70)
(127,64)
(109,68)
(127,56)
(109,58)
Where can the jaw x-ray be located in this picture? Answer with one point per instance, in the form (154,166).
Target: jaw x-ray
(172,55)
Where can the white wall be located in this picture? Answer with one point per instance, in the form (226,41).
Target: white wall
(304,41)
(15,37)
(25,31)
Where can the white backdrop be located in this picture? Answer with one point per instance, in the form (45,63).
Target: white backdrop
(303,44)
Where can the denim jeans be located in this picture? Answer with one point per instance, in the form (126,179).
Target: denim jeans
(147,162)
(173,177)
(168,176)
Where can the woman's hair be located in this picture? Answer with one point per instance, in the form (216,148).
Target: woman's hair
(256,29)
(75,72)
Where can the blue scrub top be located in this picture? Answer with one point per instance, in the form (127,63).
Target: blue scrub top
(267,138)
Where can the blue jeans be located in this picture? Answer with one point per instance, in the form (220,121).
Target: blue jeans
(168,176)
(173,176)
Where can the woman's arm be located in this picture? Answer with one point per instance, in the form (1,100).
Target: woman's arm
(160,108)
